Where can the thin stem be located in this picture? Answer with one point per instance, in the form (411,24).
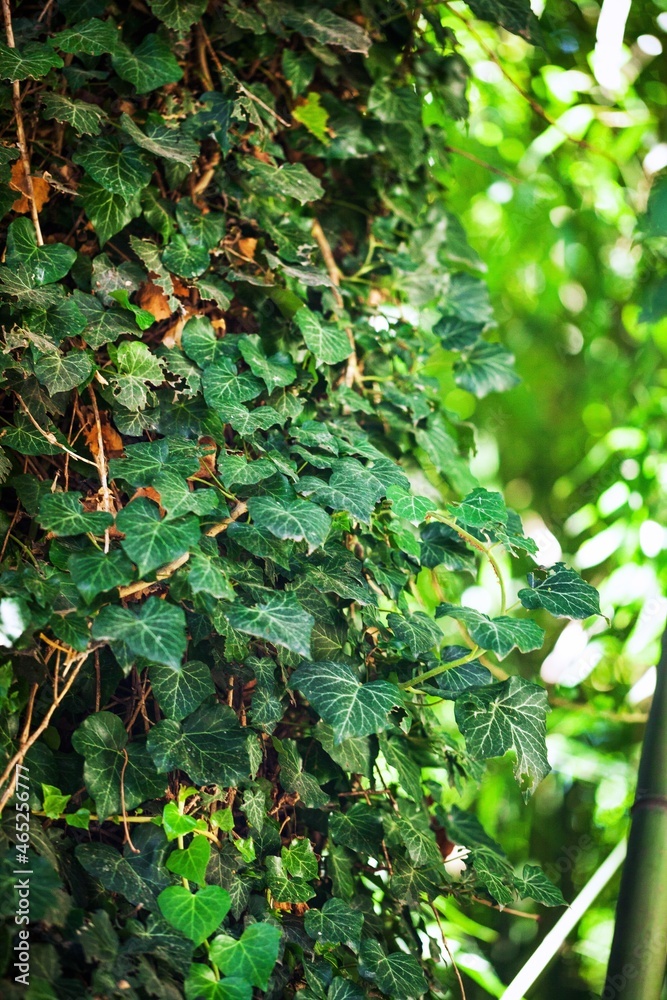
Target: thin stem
(101,464)
(51,438)
(20,129)
(485,550)
(441,669)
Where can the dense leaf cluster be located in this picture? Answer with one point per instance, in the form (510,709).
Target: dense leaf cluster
(228,489)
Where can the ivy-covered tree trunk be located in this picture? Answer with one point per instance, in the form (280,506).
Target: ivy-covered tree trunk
(238,519)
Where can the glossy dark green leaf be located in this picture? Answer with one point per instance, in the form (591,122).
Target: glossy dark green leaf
(209,745)
(562,592)
(509,715)
(501,634)
(151,541)
(252,956)
(351,708)
(155,631)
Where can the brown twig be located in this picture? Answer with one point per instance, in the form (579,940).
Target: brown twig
(19,756)
(482,163)
(101,464)
(20,129)
(237,82)
(352,367)
(447,949)
(126,826)
(51,438)
(535,105)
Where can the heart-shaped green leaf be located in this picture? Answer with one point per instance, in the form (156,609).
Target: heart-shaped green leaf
(252,956)
(43,265)
(196,915)
(191,862)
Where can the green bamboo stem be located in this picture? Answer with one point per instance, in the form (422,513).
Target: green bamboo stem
(639,949)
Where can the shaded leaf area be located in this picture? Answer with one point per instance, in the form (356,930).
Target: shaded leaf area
(238,519)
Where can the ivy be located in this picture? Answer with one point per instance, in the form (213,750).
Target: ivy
(238,520)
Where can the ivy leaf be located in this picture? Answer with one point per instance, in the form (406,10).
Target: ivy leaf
(176,824)
(311,114)
(352,487)
(328,28)
(151,541)
(196,915)
(418,631)
(510,715)
(96,572)
(325,340)
(252,956)
(178,15)
(185,260)
(200,229)
(122,170)
(398,975)
(494,873)
(63,514)
(486,368)
(275,371)
(280,620)
(513,15)
(411,507)
(344,989)
(149,66)
(292,180)
(135,368)
(108,866)
(108,213)
(101,739)
(207,576)
(457,680)
(32,60)
(535,885)
(85,118)
(481,509)
(43,265)
(283,888)
(209,745)
(223,386)
(355,754)
(500,634)
(298,520)
(562,592)
(299,859)
(62,372)
(335,923)
(351,708)
(144,319)
(191,862)
(177,499)
(161,140)
(202,983)
(93,37)
(414,831)
(294,779)
(181,692)
(156,631)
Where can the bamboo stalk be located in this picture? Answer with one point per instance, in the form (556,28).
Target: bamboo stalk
(559,933)
(639,949)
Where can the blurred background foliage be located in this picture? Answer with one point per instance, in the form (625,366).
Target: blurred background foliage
(551,176)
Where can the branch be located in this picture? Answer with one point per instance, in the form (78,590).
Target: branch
(51,438)
(19,756)
(20,130)
(101,464)
(352,368)
(536,107)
